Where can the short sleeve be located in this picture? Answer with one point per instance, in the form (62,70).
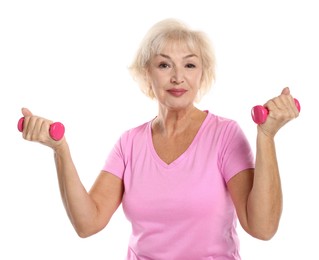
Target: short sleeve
(115,162)
(236,154)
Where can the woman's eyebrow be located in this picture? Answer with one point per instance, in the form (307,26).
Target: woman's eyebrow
(186,57)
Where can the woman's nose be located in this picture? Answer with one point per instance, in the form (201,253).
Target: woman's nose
(177,76)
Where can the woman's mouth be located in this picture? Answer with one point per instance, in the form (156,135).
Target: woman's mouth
(177,92)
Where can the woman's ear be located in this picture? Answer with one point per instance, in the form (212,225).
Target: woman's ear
(146,76)
(147,84)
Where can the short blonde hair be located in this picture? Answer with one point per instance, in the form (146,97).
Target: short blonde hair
(158,37)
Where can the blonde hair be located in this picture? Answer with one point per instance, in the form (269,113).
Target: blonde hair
(162,33)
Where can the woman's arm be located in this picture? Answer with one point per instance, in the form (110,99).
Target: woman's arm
(257,193)
(89,212)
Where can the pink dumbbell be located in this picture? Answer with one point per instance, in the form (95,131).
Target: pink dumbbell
(56,130)
(260,113)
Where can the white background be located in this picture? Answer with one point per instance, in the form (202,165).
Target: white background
(67,61)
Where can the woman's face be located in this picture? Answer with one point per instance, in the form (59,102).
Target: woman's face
(175,76)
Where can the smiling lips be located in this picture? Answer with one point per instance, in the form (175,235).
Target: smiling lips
(177,92)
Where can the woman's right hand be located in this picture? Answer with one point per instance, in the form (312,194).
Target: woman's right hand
(282,109)
(36,129)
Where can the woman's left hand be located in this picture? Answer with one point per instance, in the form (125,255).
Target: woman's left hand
(282,109)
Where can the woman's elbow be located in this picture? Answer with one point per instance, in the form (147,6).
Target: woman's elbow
(264,234)
(87,231)
(83,234)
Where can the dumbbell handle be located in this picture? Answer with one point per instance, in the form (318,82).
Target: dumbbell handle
(259,113)
(56,129)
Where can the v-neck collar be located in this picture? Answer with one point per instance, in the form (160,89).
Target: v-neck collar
(184,155)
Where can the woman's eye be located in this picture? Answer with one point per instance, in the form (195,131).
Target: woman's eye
(190,65)
(164,65)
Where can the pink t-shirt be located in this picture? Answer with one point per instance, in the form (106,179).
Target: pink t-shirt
(182,210)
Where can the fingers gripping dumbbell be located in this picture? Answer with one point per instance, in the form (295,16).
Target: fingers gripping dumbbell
(259,113)
(56,129)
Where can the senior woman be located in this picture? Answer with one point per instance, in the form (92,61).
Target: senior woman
(187,175)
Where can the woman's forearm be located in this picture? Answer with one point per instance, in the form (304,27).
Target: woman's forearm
(265,199)
(79,206)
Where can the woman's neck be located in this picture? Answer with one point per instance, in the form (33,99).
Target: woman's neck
(173,122)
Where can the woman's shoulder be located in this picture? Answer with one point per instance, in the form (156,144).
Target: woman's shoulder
(217,120)
(140,130)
